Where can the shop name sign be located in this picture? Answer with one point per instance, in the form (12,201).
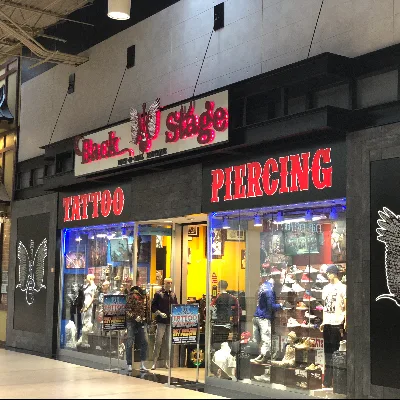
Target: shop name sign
(103,204)
(154,133)
(288,174)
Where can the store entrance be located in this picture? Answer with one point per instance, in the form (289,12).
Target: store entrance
(174,248)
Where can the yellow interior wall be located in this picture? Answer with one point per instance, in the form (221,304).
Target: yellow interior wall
(153,260)
(228,268)
(3,324)
(197,270)
(167,242)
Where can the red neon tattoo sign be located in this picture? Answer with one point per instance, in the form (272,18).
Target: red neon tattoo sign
(103,203)
(92,151)
(254,180)
(185,124)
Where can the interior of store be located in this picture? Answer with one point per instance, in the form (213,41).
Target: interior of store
(99,260)
(285,251)
(276,268)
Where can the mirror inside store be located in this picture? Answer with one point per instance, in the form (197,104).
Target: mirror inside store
(278,297)
(167,261)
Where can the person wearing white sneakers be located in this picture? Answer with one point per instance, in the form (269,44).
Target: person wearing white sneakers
(334,319)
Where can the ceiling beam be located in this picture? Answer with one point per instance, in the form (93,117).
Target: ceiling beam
(40,11)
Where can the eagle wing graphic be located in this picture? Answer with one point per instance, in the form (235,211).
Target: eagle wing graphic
(134,125)
(153,119)
(389,234)
(23,268)
(38,264)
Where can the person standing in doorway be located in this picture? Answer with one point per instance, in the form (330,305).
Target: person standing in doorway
(161,307)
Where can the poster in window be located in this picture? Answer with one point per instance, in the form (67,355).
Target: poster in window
(119,250)
(301,242)
(218,237)
(97,252)
(338,241)
(193,231)
(75,260)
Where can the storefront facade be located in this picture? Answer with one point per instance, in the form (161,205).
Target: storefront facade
(260,208)
(277,221)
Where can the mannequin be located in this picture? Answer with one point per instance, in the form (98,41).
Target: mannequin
(290,352)
(89,292)
(75,299)
(263,317)
(161,307)
(70,335)
(334,319)
(225,361)
(137,316)
(227,312)
(104,289)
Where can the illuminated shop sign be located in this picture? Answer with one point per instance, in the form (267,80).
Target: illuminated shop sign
(154,133)
(256,180)
(105,205)
(307,174)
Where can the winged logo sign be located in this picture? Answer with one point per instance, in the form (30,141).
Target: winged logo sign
(31,269)
(145,127)
(389,234)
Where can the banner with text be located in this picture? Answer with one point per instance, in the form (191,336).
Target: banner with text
(114,318)
(185,322)
(154,133)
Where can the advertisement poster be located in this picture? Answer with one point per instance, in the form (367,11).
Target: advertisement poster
(185,320)
(114,312)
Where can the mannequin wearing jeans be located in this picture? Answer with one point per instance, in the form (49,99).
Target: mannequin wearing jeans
(161,307)
(265,313)
(334,319)
(136,321)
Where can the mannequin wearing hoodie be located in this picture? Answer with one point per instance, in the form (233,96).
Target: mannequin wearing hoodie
(137,316)
(263,317)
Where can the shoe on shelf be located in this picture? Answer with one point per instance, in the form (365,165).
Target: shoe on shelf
(288,280)
(257,359)
(292,323)
(318,306)
(321,279)
(308,325)
(316,288)
(301,306)
(293,270)
(286,289)
(311,270)
(309,316)
(298,288)
(287,306)
(305,278)
(275,271)
(307,297)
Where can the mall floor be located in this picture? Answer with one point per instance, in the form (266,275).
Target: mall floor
(28,376)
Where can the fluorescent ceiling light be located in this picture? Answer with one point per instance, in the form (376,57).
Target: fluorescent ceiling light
(300,219)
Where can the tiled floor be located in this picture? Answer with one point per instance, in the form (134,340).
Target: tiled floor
(27,376)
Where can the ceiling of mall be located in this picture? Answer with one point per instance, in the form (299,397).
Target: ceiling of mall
(50,32)
(23,21)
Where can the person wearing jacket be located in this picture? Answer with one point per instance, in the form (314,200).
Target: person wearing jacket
(137,317)
(262,320)
(161,307)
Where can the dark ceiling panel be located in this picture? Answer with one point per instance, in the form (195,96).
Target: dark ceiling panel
(81,37)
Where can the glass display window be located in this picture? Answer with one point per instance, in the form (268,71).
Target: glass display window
(96,261)
(277,297)
(119,259)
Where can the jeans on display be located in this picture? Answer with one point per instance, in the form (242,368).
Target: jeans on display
(162,331)
(332,338)
(136,334)
(262,333)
